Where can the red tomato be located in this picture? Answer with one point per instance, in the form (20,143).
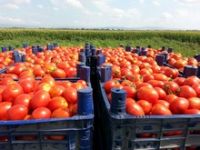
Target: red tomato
(197,89)
(41,113)
(48,79)
(17,112)
(159,109)
(149,94)
(192,111)
(70,94)
(162,94)
(171,87)
(56,90)
(160,77)
(179,105)
(27,85)
(135,109)
(146,106)
(40,99)
(156,83)
(23,99)
(194,103)
(4,107)
(180,81)
(57,102)
(130,91)
(164,103)
(11,92)
(58,73)
(187,92)
(111,84)
(170,98)
(60,113)
(192,81)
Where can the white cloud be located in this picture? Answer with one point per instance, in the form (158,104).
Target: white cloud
(67,3)
(167,15)
(10,6)
(12,20)
(13,4)
(141,1)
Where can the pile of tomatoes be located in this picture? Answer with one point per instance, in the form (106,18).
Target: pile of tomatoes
(59,63)
(151,89)
(38,99)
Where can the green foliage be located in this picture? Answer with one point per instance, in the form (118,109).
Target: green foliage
(186,42)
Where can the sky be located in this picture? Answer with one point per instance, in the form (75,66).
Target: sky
(134,14)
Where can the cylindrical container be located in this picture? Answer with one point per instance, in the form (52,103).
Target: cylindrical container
(198,74)
(197,57)
(78,67)
(169,50)
(118,101)
(92,46)
(49,47)
(16,56)
(165,54)
(85,73)
(160,59)
(190,71)
(82,57)
(3,49)
(93,51)
(143,53)
(40,49)
(128,48)
(87,52)
(99,51)
(100,59)
(23,57)
(106,73)
(24,45)
(34,50)
(85,101)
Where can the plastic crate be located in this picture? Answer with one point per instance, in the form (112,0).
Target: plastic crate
(128,132)
(76,132)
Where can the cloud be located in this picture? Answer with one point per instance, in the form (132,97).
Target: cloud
(13,4)
(167,15)
(40,6)
(10,6)
(141,1)
(67,3)
(156,3)
(188,2)
(12,20)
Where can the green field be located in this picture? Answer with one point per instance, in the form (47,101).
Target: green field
(186,42)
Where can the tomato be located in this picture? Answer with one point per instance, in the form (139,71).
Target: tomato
(11,92)
(144,84)
(60,113)
(194,103)
(170,98)
(57,102)
(159,109)
(192,111)
(135,109)
(160,77)
(197,89)
(77,86)
(41,113)
(23,99)
(43,86)
(4,107)
(40,99)
(164,103)
(156,83)
(17,112)
(130,91)
(58,73)
(146,106)
(192,80)
(187,92)
(171,87)
(111,84)
(27,85)
(70,94)
(82,82)
(48,79)
(180,81)
(56,90)
(179,105)
(149,94)
(162,94)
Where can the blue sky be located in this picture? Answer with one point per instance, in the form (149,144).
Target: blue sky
(159,14)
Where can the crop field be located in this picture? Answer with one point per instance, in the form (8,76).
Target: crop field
(185,42)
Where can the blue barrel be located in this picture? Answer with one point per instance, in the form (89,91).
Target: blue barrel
(93,51)
(23,58)
(165,54)
(82,57)
(169,50)
(3,49)
(49,46)
(137,51)
(100,59)
(40,49)
(85,101)
(190,71)
(128,48)
(24,45)
(99,51)
(78,67)
(118,103)
(85,73)
(92,46)
(197,57)
(34,50)
(106,73)
(198,74)
(16,56)
(87,52)
(160,59)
